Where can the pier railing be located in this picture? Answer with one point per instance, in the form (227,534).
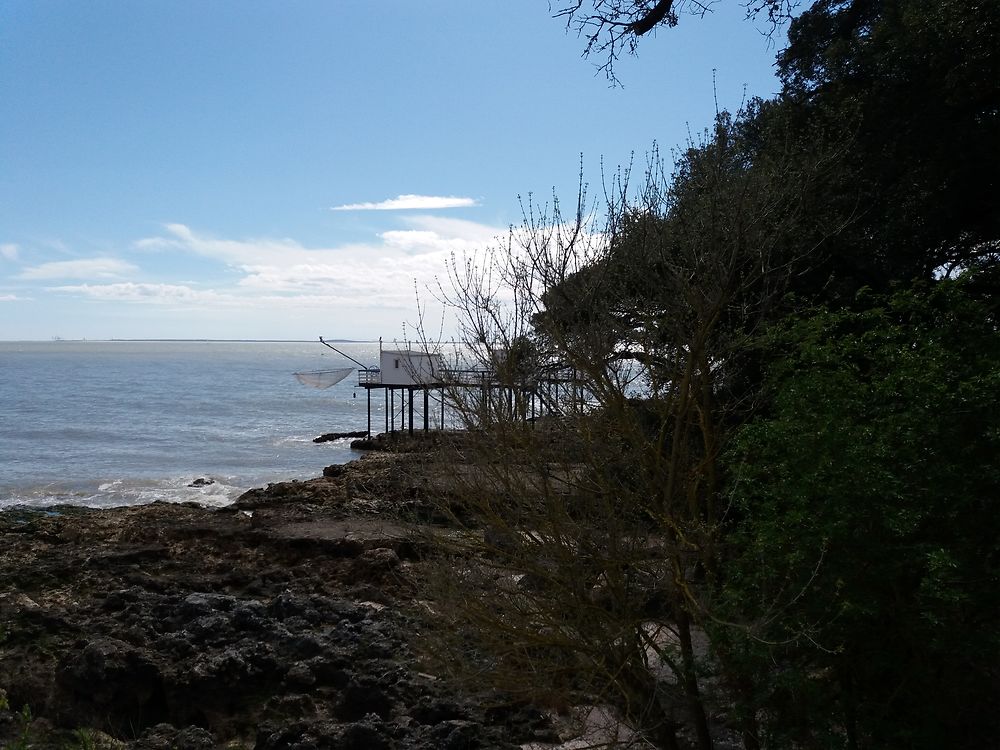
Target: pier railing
(373,378)
(467,378)
(369,377)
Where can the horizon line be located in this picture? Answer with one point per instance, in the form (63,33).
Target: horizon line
(58,340)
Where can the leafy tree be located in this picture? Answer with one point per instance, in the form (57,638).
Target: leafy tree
(611,509)
(866,554)
(915,88)
(718,240)
(795,532)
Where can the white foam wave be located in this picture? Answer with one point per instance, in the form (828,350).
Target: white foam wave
(293,440)
(211,492)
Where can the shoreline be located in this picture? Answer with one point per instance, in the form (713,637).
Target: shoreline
(212,489)
(284,616)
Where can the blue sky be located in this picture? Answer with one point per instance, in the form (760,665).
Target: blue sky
(243,169)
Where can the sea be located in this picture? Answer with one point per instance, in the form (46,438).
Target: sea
(112,423)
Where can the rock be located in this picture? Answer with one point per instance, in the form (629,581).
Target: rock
(202,482)
(329,436)
(430,710)
(110,684)
(362,696)
(300,675)
(372,565)
(370,735)
(170,626)
(167,737)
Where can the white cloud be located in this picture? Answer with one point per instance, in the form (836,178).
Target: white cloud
(368,285)
(375,274)
(89,268)
(9,251)
(233,252)
(159,294)
(384,270)
(10,298)
(267,294)
(423,242)
(411,202)
(425,233)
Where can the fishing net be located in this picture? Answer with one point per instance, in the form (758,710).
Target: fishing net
(323,378)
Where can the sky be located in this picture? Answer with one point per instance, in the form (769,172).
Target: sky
(240,169)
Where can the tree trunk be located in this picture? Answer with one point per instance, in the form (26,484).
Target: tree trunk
(690,677)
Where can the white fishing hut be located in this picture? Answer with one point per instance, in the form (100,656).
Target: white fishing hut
(401,373)
(406,367)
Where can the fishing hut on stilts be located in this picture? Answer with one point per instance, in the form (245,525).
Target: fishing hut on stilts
(405,375)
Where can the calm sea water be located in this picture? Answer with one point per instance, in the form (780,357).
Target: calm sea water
(103,424)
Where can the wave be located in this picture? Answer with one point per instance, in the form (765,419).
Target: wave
(214,492)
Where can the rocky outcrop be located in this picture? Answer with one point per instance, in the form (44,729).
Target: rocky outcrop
(283,621)
(328,437)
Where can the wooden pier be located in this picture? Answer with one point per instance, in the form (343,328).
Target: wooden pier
(407,375)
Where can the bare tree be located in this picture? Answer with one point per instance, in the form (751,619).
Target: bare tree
(611,28)
(593,532)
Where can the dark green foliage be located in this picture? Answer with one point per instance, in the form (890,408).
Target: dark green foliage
(699,258)
(914,87)
(819,489)
(852,588)
(855,583)
(866,557)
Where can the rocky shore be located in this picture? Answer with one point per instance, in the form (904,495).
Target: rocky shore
(286,620)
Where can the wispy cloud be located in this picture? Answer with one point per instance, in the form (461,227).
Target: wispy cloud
(265,293)
(232,252)
(10,298)
(9,251)
(435,235)
(88,268)
(285,274)
(159,294)
(409,202)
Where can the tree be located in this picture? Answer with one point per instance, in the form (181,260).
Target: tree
(866,556)
(776,508)
(597,533)
(613,27)
(915,87)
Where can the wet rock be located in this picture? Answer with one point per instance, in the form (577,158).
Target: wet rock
(200,604)
(330,436)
